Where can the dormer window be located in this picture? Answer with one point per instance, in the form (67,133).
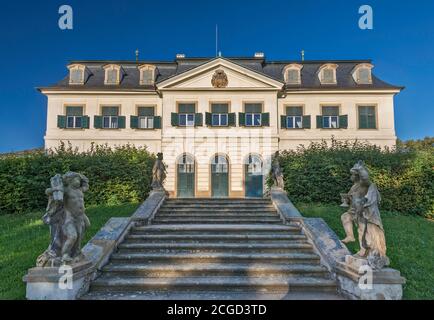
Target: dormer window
(112,74)
(147,74)
(292,74)
(327,74)
(76,74)
(362,73)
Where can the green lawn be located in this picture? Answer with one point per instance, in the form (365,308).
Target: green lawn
(24,237)
(410,245)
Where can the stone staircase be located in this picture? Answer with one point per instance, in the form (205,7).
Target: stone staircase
(215,249)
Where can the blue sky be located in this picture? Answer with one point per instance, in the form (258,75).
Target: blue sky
(34,51)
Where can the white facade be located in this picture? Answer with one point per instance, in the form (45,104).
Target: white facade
(236,143)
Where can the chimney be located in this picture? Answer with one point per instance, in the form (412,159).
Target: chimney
(259,55)
(180,56)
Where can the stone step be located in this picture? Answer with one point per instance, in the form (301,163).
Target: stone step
(269,284)
(218,227)
(223,295)
(244,238)
(227,257)
(217,215)
(218,206)
(217,200)
(214,247)
(271,220)
(217,210)
(216,269)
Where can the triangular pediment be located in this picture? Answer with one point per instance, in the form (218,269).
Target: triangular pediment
(238,78)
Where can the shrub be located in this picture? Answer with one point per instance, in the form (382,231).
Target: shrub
(116,175)
(320,172)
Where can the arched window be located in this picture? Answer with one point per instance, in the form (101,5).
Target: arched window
(186,164)
(112,74)
(292,73)
(147,74)
(327,74)
(76,74)
(254,165)
(219,164)
(362,73)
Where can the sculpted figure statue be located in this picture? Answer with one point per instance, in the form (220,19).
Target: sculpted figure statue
(65,214)
(276,172)
(158,173)
(363,200)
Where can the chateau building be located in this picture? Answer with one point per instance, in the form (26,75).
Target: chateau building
(218,121)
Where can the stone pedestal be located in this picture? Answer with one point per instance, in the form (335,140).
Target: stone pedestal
(358,281)
(59,283)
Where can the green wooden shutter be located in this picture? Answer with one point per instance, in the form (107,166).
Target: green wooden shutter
(134,122)
(157,122)
(121,122)
(343,122)
(306,122)
(208,120)
(283,122)
(231,120)
(97,122)
(198,120)
(174,119)
(265,120)
(61,122)
(319,122)
(85,122)
(241,119)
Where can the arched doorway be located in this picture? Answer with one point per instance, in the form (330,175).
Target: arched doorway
(254,177)
(219,176)
(185,176)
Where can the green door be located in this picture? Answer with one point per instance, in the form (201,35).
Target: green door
(254,179)
(219,177)
(186,178)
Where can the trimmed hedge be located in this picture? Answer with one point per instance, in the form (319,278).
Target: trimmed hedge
(320,172)
(117,175)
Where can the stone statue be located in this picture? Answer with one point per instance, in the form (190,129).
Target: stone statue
(276,172)
(158,173)
(362,202)
(65,214)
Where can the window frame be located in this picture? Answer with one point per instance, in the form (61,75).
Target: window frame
(219,114)
(330,117)
(148,117)
(74,117)
(356,73)
(76,67)
(186,114)
(110,117)
(112,67)
(292,67)
(147,67)
(375,106)
(253,114)
(328,66)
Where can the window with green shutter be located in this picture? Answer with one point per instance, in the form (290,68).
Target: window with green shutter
(218,116)
(111,119)
(145,119)
(74,117)
(367,117)
(330,117)
(187,116)
(254,117)
(294,118)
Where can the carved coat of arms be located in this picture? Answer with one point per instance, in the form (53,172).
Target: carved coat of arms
(219,79)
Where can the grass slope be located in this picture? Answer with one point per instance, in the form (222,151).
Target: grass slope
(410,245)
(24,237)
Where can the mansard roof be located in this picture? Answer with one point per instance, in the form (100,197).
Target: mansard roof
(271,69)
